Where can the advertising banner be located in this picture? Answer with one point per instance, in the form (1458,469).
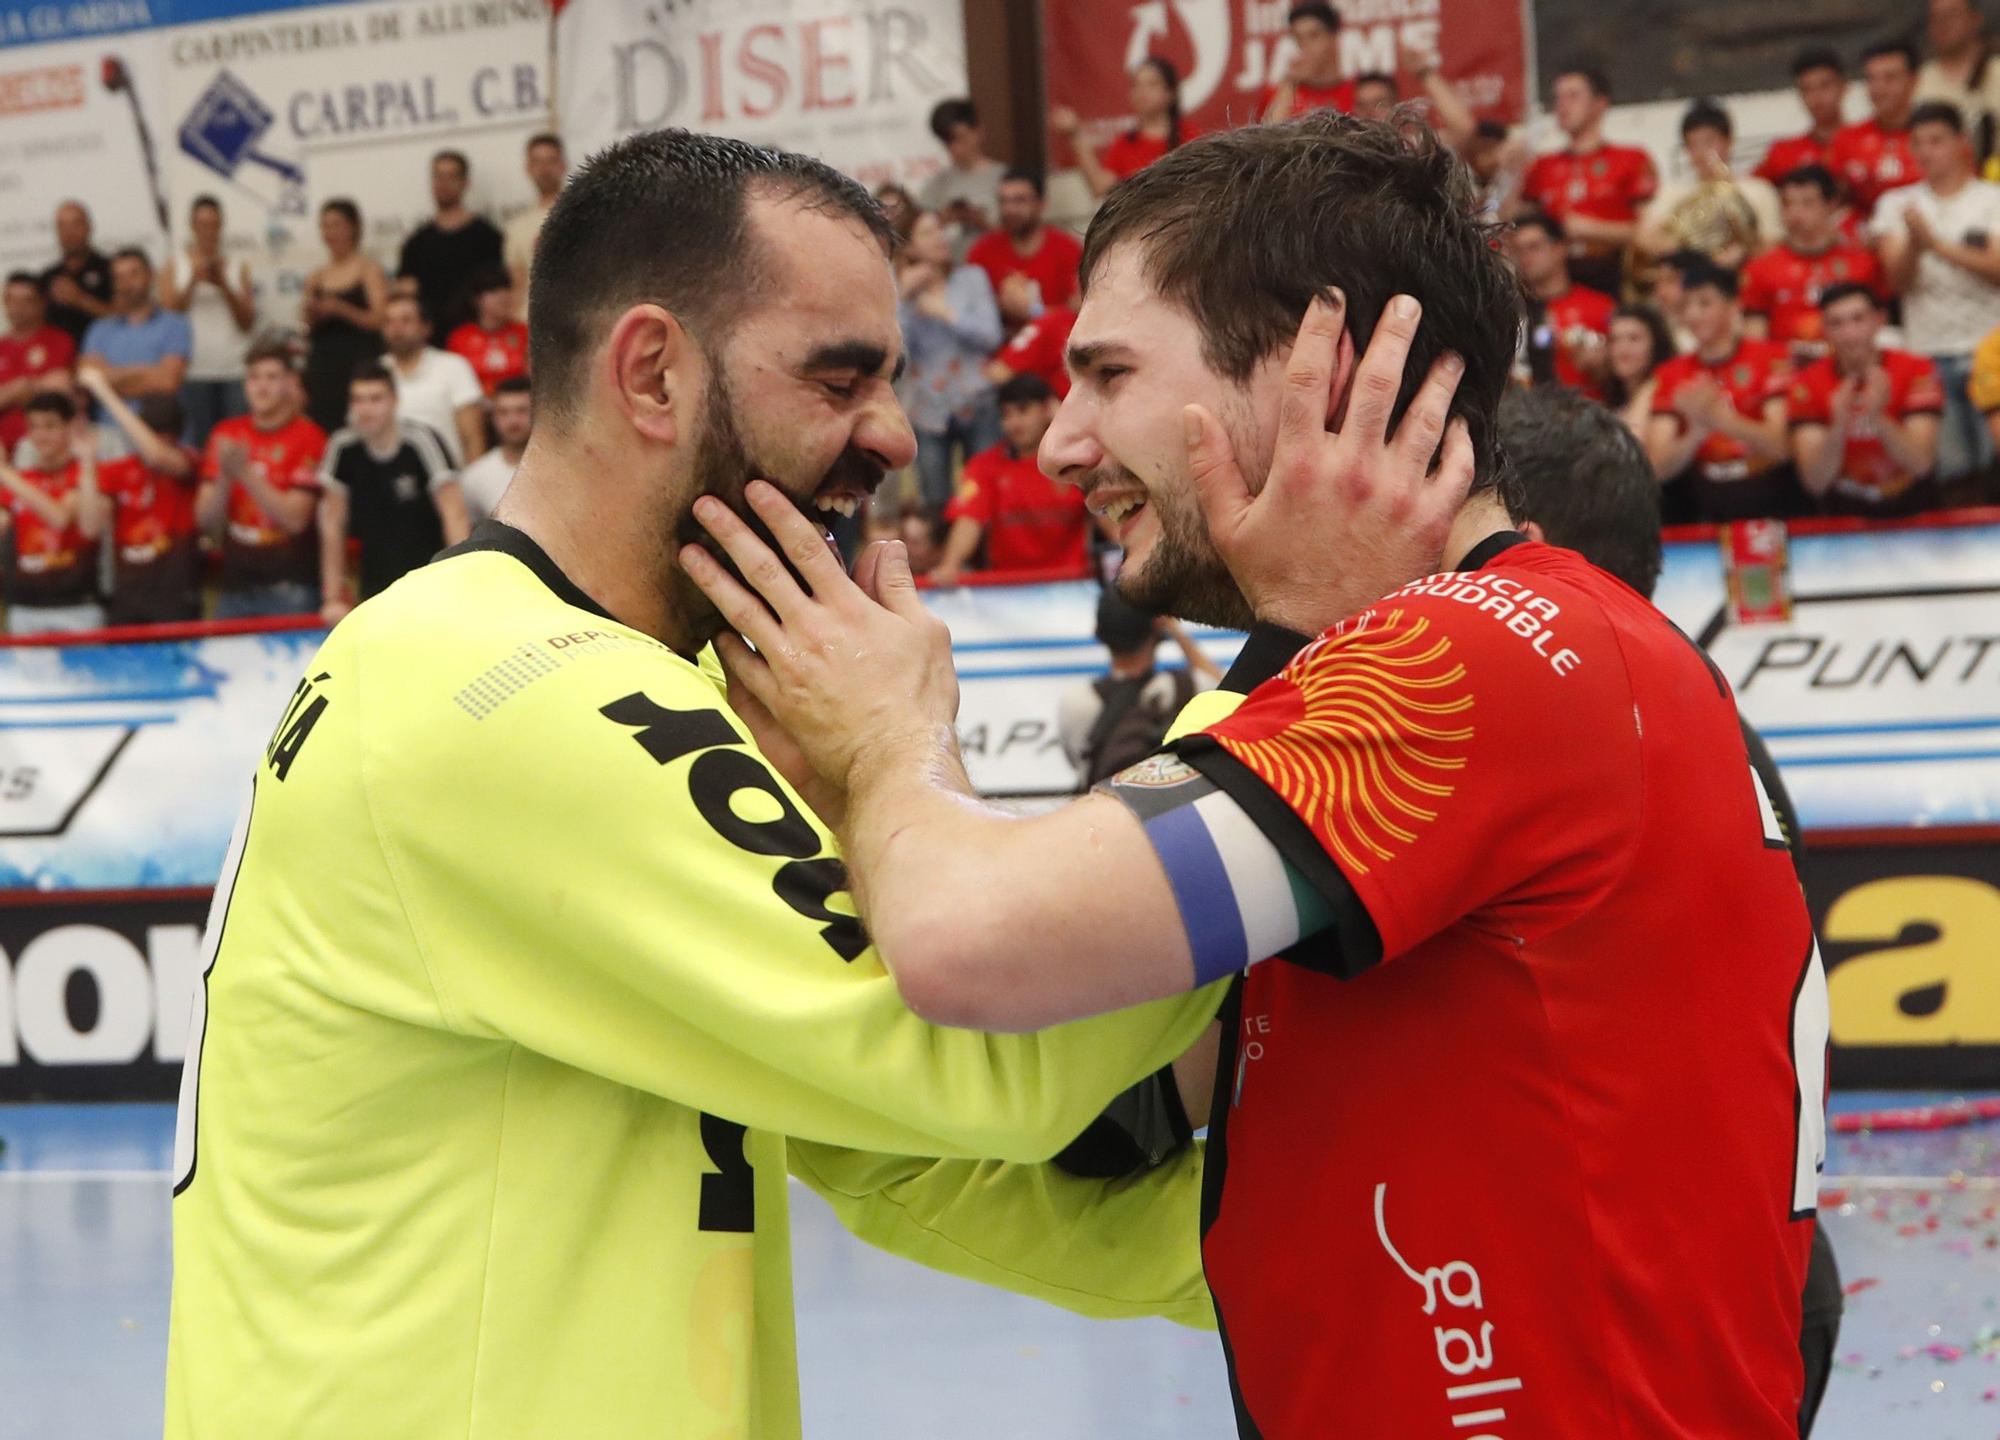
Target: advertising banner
(850,83)
(1232,53)
(136,108)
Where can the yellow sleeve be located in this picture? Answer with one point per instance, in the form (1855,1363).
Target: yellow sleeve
(630,890)
(1112,1250)
(1984,386)
(1204,710)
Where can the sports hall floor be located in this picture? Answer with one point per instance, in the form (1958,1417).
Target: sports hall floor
(892,1352)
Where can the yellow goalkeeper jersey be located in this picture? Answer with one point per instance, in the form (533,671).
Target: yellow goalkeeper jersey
(522,973)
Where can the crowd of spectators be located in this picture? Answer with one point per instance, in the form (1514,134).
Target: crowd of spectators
(1815,332)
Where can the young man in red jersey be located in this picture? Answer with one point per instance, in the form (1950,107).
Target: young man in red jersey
(1872,156)
(495,341)
(1821,81)
(1037,348)
(1568,324)
(1781,288)
(1313,81)
(147,503)
(1026,246)
(35,357)
(1027,520)
(260,488)
(1865,421)
(1719,411)
(1595,189)
(1499,828)
(51,509)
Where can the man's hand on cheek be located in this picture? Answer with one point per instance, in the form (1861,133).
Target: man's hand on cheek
(1345,516)
(852,673)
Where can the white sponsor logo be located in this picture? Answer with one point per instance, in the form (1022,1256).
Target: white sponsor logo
(1463,1354)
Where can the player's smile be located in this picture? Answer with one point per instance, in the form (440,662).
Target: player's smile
(1122,501)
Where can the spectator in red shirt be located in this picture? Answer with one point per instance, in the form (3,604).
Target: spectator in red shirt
(260,487)
(1157,127)
(1039,348)
(1028,521)
(146,501)
(494,342)
(1024,245)
(1313,82)
(1873,156)
(1567,324)
(51,509)
(1782,287)
(1864,420)
(1821,81)
(1719,413)
(35,357)
(1594,188)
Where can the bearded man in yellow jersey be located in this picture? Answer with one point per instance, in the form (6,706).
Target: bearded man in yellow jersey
(528,979)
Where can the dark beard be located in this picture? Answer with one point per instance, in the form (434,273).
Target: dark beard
(1184,576)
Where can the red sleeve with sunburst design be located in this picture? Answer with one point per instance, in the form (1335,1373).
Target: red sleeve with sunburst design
(1450,770)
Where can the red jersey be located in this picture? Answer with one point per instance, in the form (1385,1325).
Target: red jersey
(1464,1169)
(1755,372)
(256,550)
(53,565)
(1131,152)
(24,357)
(1868,477)
(1031,522)
(1051,265)
(1041,347)
(1872,161)
(1307,98)
(494,355)
(1784,285)
(150,512)
(1611,183)
(1785,156)
(1565,328)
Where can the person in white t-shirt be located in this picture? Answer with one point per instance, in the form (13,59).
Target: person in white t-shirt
(432,385)
(547,168)
(220,302)
(485,480)
(1940,244)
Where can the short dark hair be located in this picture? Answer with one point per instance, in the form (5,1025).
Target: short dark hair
(457,157)
(663,217)
(404,297)
(51,402)
(1314,10)
(1242,229)
(271,348)
(1939,112)
(948,115)
(1025,389)
(1684,262)
(132,252)
(1543,221)
(1123,627)
(1817,176)
(25,277)
(1490,130)
(1707,115)
(343,207)
(514,385)
(162,414)
(1377,77)
(1599,83)
(1882,48)
(1709,275)
(204,202)
(544,137)
(370,372)
(1021,175)
(1847,290)
(1817,57)
(488,279)
(1584,478)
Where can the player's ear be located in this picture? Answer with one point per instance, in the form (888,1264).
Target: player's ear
(651,365)
(1344,361)
(1534,531)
